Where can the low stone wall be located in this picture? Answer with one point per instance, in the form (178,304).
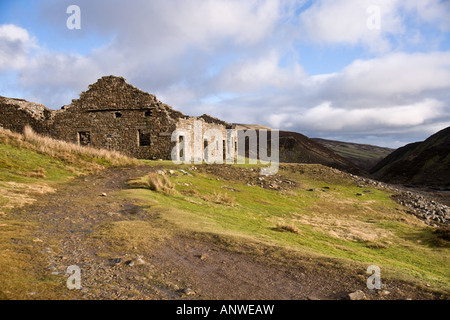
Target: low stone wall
(15,114)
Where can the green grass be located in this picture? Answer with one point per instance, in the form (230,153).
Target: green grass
(402,247)
(21,268)
(19,164)
(31,165)
(349,152)
(28,160)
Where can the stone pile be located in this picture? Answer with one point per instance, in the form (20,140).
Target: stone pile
(430,211)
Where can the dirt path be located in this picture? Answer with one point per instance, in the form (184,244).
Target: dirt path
(182,266)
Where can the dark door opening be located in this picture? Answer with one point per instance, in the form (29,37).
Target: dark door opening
(144,138)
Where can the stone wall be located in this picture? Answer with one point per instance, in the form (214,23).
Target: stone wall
(15,114)
(200,137)
(113,115)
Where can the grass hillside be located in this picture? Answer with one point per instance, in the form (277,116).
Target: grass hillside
(363,155)
(32,164)
(421,163)
(30,167)
(315,212)
(307,217)
(297,148)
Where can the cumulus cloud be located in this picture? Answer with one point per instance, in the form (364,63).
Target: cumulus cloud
(397,77)
(157,45)
(346,21)
(58,77)
(434,12)
(167,28)
(15,45)
(262,72)
(391,125)
(327,117)
(397,94)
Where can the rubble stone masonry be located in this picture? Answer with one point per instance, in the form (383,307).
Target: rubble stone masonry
(113,115)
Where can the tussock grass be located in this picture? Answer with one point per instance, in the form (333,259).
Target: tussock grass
(153,181)
(130,236)
(36,173)
(69,151)
(29,162)
(83,157)
(287,227)
(220,198)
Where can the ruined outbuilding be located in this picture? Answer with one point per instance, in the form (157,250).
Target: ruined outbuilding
(114,115)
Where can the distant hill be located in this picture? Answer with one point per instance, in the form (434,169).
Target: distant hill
(421,163)
(364,156)
(297,148)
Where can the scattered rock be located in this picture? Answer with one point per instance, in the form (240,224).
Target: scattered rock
(184,172)
(431,212)
(189,292)
(140,260)
(114,261)
(428,210)
(104,194)
(357,295)
(129,263)
(204,256)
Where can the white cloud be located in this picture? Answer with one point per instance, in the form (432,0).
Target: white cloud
(394,77)
(436,12)
(345,21)
(258,73)
(157,45)
(167,28)
(15,44)
(329,118)
(58,78)
(246,22)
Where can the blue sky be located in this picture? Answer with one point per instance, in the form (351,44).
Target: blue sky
(323,68)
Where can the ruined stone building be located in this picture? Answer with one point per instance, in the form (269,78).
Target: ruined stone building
(115,115)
